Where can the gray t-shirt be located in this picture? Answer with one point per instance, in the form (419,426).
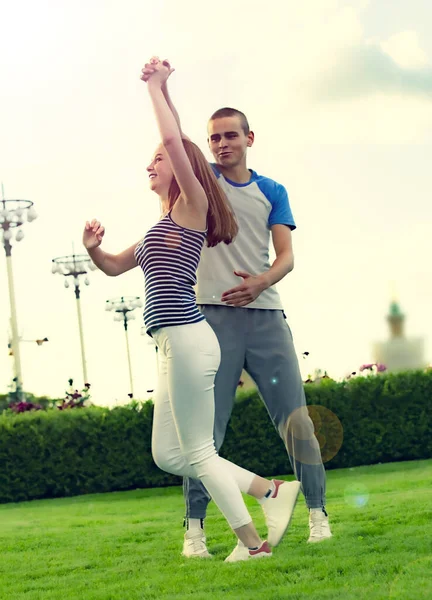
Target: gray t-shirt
(258,205)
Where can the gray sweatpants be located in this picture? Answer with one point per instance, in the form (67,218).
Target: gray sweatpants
(261,342)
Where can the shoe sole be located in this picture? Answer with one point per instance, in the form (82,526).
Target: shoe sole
(255,557)
(322,539)
(290,506)
(263,555)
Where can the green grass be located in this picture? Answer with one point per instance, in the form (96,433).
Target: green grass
(126,545)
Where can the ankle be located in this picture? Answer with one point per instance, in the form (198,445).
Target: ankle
(319,510)
(194,524)
(259,487)
(271,491)
(254,545)
(248,535)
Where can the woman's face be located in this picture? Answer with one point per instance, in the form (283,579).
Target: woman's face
(160,172)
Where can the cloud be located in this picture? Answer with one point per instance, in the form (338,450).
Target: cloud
(366,69)
(404,48)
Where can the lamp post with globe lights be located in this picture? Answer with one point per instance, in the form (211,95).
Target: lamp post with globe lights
(123,308)
(13,214)
(76,266)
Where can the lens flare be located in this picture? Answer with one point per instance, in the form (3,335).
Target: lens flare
(313,434)
(356,495)
(173,239)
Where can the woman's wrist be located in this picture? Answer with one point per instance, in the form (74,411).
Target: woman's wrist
(154,85)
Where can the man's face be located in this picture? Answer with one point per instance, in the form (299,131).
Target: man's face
(228,142)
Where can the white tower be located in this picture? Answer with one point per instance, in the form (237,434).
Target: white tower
(399,353)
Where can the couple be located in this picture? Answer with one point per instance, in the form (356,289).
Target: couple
(203,351)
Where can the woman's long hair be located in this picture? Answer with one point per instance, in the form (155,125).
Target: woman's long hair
(221,223)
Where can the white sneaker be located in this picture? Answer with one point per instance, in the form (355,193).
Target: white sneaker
(241,552)
(279,508)
(194,544)
(318,525)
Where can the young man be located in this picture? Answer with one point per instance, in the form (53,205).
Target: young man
(248,319)
(236,294)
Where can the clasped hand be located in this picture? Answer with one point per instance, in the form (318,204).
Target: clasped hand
(156,71)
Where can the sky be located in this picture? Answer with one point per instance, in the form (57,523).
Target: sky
(339,95)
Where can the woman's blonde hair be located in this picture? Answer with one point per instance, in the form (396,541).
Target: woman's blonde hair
(221,223)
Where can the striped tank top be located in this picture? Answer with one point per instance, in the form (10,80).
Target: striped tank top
(169,257)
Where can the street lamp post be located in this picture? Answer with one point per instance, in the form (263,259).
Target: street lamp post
(123,308)
(76,266)
(13,214)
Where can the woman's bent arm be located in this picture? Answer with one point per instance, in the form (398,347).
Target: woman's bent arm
(114,264)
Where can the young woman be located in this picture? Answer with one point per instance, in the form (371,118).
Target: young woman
(194,211)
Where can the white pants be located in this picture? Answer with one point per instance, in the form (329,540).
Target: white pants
(182,441)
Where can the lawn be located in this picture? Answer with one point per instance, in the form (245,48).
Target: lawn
(127,545)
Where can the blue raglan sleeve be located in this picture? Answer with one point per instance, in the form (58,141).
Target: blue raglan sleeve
(215,170)
(280,213)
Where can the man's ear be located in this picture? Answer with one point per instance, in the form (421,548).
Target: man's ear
(251,138)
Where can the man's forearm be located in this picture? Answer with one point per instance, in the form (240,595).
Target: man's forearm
(282,265)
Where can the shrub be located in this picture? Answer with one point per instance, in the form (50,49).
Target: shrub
(48,454)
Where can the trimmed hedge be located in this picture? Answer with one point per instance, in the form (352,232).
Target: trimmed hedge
(384,418)
(64,453)
(79,451)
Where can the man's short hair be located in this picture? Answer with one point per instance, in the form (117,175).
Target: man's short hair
(232,112)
